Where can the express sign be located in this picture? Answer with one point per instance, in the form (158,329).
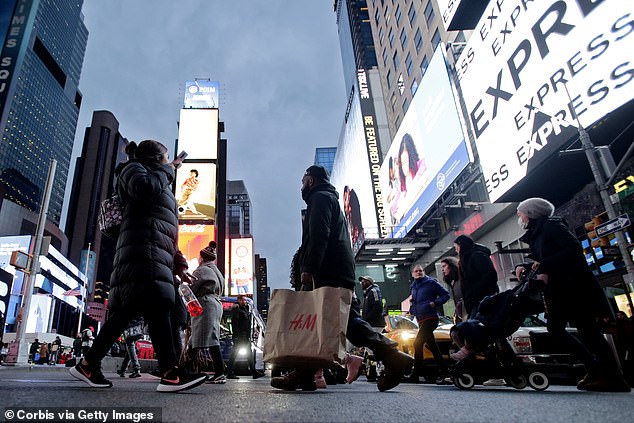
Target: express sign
(517,65)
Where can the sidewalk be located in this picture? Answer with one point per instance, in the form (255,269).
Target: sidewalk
(109,364)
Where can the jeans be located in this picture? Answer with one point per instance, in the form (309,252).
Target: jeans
(130,357)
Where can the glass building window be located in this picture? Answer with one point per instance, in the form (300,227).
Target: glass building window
(387,13)
(390,37)
(414,86)
(424,66)
(411,13)
(429,13)
(384,57)
(398,14)
(389,78)
(408,64)
(381,35)
(418,40)
(377,16)
(403,38)
(396,60)
(435,40)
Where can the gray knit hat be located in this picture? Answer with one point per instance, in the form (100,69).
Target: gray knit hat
(536,207)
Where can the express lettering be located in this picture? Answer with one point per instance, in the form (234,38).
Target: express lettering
(497,178)
(551,23)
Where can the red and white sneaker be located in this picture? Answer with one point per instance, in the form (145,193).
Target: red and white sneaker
(177,380)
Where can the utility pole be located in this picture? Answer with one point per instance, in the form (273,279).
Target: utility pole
(84,291)
(19,354)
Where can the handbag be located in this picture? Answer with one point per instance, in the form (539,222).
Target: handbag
(110,216)
(307,329)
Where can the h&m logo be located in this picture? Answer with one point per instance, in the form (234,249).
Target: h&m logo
(303,322)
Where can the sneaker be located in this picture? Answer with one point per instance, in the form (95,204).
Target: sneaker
(494,382)
(177,380)
(121,374)
(615,384)
(304,380)
(216,379)
(257,374)
(461,354)
(353,364)
(397,364)
(90,374)
(232,376)
(156,373)
(134,374)
(588,378)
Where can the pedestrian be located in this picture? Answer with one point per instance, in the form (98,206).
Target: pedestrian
(87,338)
(131,334)
(204,343)
(373,312)
(572,293)
(241,337)
(449,266)
(43,353)
(142,280)
(326,259)
(427,296)
(77,352)
(34,350)
(56,347)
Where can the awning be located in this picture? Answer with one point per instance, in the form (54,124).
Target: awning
(390,251)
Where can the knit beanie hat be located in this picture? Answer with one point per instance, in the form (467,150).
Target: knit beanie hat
(536,207)
(209,252)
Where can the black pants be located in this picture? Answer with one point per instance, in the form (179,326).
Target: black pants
(425,336)
(157,318)
(361,334)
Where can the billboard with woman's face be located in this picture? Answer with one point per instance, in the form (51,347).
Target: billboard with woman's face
(427,153)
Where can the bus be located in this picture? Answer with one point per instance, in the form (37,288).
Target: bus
(257,336)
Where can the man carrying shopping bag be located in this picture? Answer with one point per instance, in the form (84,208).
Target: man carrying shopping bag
(326,260)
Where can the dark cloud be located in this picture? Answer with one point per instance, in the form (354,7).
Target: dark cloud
(279,65)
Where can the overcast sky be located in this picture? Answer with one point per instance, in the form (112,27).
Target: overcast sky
(282,92)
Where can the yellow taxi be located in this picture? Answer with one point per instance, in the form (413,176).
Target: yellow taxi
(403,329)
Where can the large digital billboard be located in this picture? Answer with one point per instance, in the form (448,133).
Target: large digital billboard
(517,70)
(241,266)
(192,239)
(196,191)
(198,133)
(9,244)
(201,94)
(427,153)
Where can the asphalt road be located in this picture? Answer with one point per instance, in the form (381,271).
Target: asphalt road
(247,400)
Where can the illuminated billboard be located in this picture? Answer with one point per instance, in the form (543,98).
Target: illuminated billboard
(201,94)
(427,153)
(514,82)
(9,244)
(196,191)
(192,239)
(39,314)
(198,133)
(241,266)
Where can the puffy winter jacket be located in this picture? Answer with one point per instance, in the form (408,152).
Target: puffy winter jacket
(426,290)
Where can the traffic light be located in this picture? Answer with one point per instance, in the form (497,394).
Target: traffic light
(101,292)
(590,227)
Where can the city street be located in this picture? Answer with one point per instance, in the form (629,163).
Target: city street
(248,400)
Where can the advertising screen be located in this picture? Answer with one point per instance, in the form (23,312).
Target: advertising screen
(9,244)
(192,239)
(201,94)
(517,70)
(241,266)
(196,191)
(39,313)
(427,153)
(198,133)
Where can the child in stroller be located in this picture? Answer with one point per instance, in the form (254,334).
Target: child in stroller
(485,353)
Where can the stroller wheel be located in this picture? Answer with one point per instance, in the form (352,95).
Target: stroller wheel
(538,381)
(517,381)
(464,381)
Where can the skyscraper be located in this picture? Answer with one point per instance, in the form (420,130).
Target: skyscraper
(41,61)
(238,210)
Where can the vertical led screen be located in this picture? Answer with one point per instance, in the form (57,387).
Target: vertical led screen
(515,84)
(196,191)
(198,133)
(201,94)
(241,266)
(192,239)
(9,244)
(427,153)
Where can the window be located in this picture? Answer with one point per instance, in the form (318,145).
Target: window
(411,13)
(435,40)
(414,87)
(418,40)
(384,57)
(429,13)
(387,13)
(398,14)
(381,35)
(390,37)
(389,79)
(424,65)
(408,64)
(405,104)
(403,38)
(376,17)
(393,103)
(396,59)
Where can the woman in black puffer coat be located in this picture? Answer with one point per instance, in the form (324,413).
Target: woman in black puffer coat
(142,281)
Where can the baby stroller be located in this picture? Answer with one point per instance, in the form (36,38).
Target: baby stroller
(492,357)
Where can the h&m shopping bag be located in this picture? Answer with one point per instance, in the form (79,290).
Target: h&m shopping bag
(307,328)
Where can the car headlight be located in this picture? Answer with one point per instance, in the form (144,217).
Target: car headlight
(407,336)
(242,351)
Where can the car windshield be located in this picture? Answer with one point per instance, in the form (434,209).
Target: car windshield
(533,321)
(402,322)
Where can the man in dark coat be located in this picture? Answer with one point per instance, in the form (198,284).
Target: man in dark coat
(477,273)
(372,303)
(241,337)
(572,293)
(326,260)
